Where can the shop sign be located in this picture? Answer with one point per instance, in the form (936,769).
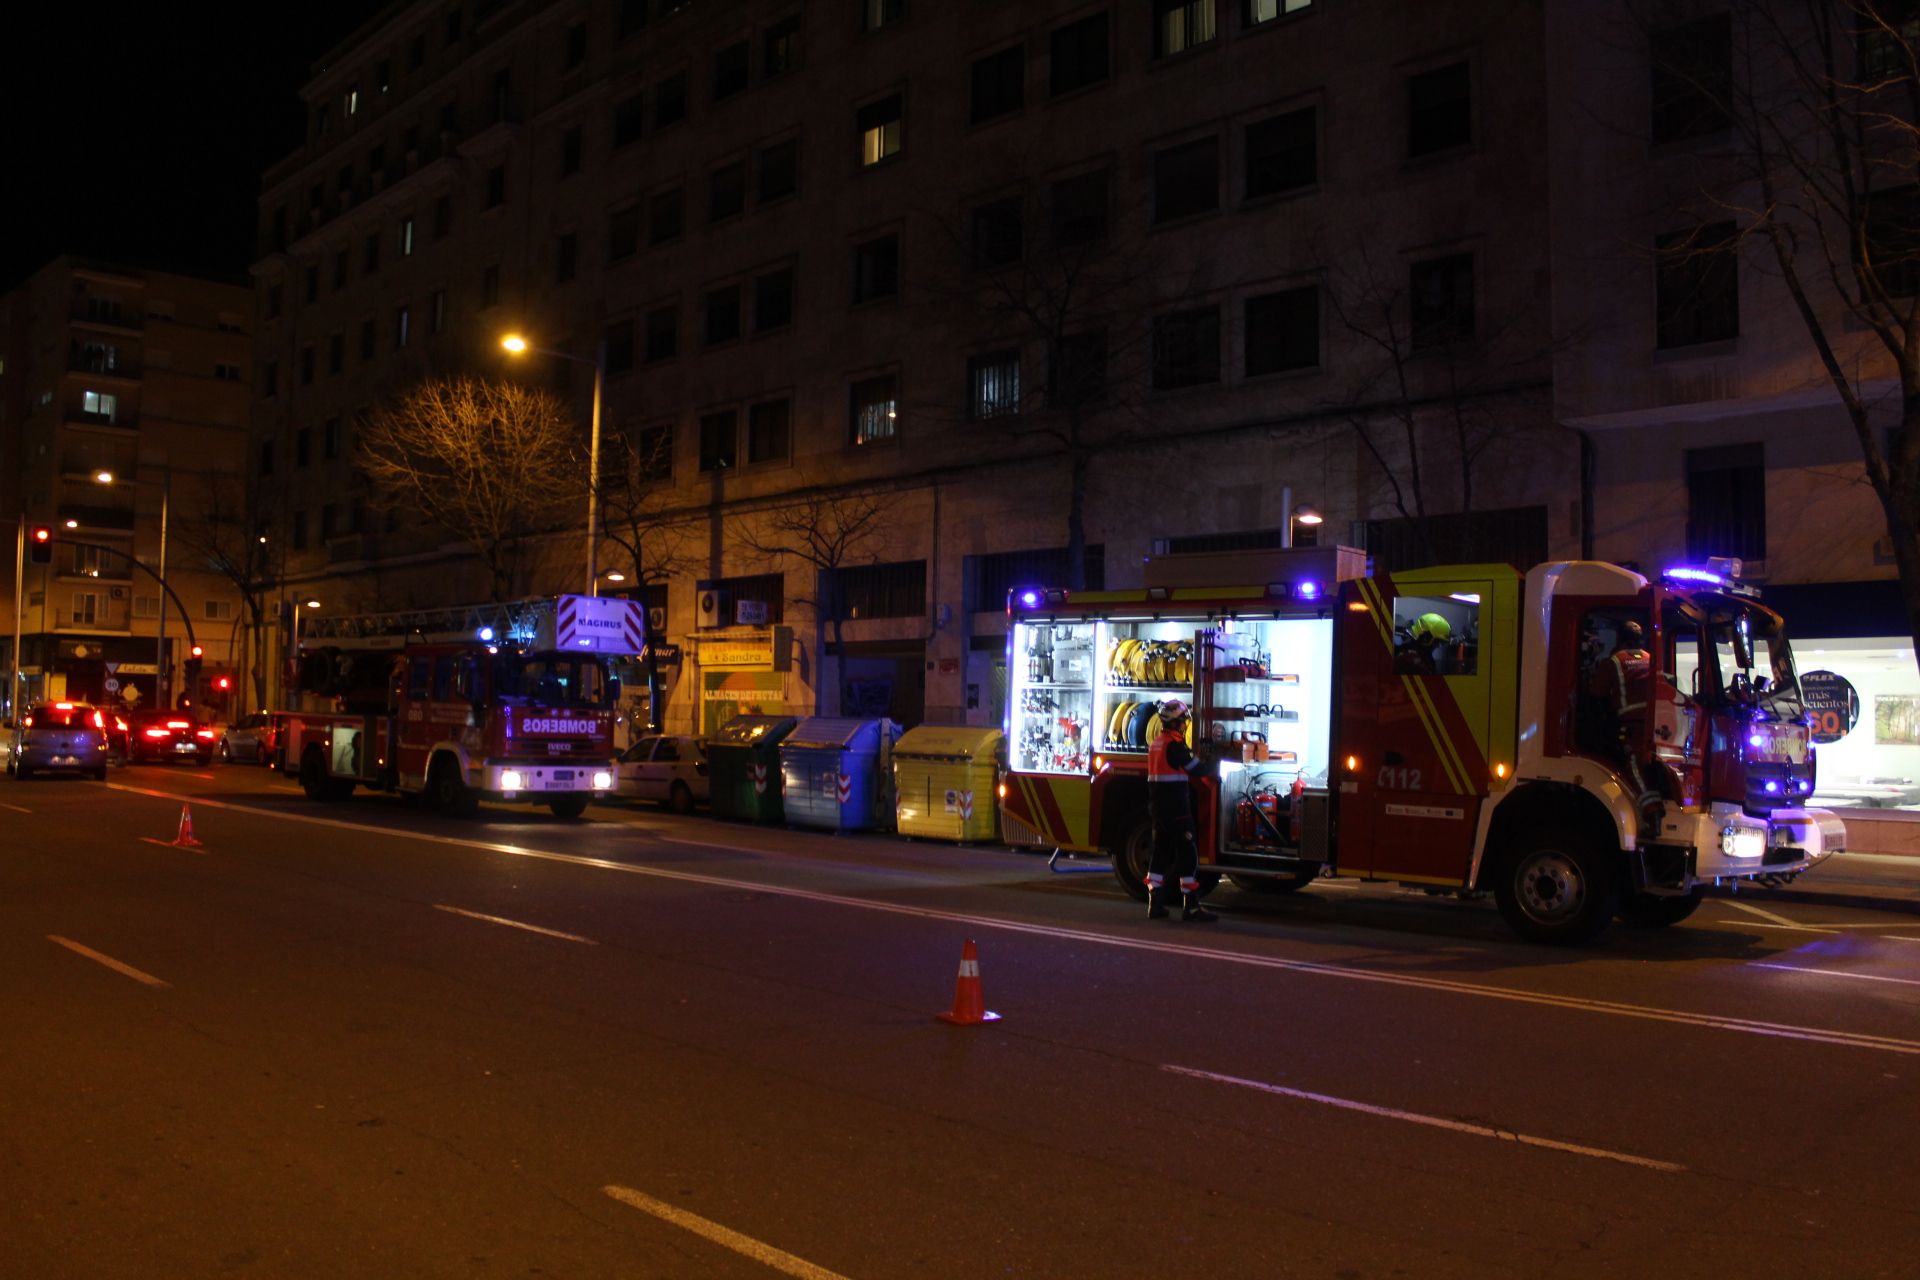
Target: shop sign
(762,650)
(1832,703)
(599,624)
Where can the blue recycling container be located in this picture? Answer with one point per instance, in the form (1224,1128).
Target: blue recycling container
(837,774)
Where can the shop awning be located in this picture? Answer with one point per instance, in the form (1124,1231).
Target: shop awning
(1839,610)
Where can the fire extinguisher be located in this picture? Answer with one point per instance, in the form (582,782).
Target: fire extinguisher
(1296,806)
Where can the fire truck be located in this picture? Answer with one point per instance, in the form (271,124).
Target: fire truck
(1451,727)
(464,718)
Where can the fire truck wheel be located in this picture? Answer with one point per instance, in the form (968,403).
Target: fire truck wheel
(1273,885)
(447,791)
(1132,856)
(568,806)
(313,776)
(1557,886)
(1645,911)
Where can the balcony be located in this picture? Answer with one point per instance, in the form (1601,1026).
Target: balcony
(93,362)
(94,519)
(98,314)
(120,421)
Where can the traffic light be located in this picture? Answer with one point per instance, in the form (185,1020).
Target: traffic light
(40,544)
(192,670)
(223,683)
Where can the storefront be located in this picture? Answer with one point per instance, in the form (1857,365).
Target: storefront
(744,673)
(1862,689)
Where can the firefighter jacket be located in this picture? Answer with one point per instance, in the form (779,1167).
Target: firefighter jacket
(1624,677)
(1170,763)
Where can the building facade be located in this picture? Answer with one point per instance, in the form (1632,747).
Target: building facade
(122,390)
(904,304)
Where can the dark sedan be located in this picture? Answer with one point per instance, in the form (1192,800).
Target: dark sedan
(168,735)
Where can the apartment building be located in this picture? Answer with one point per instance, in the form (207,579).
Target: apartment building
(123,392)
(1006,280)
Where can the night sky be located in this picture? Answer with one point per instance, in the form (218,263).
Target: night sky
(138,133)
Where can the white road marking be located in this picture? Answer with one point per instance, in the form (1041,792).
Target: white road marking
(1435,1122)
(108,961)
(171,844)
(764,1254)
(513,924)
(1780,920)
(1790,928)
(1835,973)
(16,808)
(1315,968)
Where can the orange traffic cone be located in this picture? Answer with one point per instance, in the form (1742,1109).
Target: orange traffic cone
(185,838)
(969,1003)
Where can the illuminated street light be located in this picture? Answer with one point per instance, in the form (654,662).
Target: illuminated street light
(103,477)
(616,577)
(516,345)
(165,485)
(1308,515)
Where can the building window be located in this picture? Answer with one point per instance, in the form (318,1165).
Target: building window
(1697,286)
(402,325)
(997,233)
(1186,348)
(371,262)
(406,237)
(779,171)
(366,339)
(663,334)
(1077,55)
(1439,110)
(451,35)
(1283,331)
(617,339)
(1441,292)
(496,187)
(336,353)
(270,379)
(1282,154)
(328,519)
(780,47)
(353,99)
(1186,180)
(1893,235)
(723,314)
(306,365)
(1179,25)
(730,70)
(489,287)
(1727,502)
(727,191)
(439,310)
(330,438)
(442,217)
(666,216)
(629,119)
(273,301)
(1078,374)
(773,300)
(719,438)
(417,53)
(623,233)
(897,590)
(670,101)
(303,447)
(878,124)
(1886,47)
(633,17)
(1691,73)
(571,147)
(993,384)
(1079,209)
(86,607)
(1259,11)
(653,454)
(769,431)
(312,292)
(566,257)
(999,84)
(876,269)
(143,606)
(874,411)
(875,14)
(574,53)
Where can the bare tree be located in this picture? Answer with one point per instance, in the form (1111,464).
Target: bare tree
(487,462)
(227,531)
(1820,104)
(636,473)
(827,533)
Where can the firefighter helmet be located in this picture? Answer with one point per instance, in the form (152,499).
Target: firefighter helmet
(1431,628)
(1172,711)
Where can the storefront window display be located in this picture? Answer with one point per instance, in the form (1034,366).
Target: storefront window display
(1864,697)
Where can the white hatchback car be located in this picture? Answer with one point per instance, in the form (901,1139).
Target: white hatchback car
(670,769)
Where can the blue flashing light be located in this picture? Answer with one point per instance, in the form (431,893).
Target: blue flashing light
(1755,740)
(1773,788)
(1308,590)
(486,635)
(1030,599)
(1685,573)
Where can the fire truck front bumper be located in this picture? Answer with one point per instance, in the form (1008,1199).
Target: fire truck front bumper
(511,780)
(1729,843)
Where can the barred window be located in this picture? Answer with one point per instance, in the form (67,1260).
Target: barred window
(993,384)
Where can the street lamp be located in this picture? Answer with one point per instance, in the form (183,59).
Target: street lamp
(165,485)
(311,604)
(515,344)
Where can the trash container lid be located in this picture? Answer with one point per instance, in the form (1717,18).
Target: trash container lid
(750,731)
(835,731)
(949,742)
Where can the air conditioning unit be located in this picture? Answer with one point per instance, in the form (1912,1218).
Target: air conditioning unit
(750,613)
(712,607)
(117,593)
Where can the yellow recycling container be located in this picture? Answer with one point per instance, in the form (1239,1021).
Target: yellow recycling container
(944,778)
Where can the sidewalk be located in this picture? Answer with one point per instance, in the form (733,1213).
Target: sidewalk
(1871,881)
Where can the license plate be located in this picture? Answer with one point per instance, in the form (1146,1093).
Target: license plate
(562,775)
(184,748)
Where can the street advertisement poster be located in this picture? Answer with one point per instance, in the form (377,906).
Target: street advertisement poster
(1832,702)
(1896,720)
(726,694)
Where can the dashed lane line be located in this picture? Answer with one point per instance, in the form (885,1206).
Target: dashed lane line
(127,969)
(513,924)
(16,808)
(1314,968)
(1834,973)
(726,1237)
(1432,1122)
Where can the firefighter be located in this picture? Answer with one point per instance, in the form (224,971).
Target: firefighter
(1622,681)
(1415,655)
(1170,764)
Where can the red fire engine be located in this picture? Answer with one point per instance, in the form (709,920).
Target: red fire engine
(463,720)
(1457,726)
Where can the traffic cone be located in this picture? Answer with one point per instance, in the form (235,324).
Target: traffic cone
(969,1003)
(185,838)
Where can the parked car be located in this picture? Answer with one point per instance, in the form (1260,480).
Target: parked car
(168,735)
(670,769)
(250,738)
(68,737)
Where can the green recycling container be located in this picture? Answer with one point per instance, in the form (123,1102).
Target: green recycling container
(944,782)
(743,768)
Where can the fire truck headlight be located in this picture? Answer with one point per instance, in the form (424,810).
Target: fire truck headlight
(510,780)
(1743,842)
(603,781)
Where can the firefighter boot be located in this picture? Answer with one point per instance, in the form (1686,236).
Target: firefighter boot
(1156,902)
(1193,913)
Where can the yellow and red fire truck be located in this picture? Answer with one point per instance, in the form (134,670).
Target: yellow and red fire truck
(1448,727)
(460,718)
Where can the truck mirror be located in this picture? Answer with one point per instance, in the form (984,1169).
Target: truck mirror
(1742,645)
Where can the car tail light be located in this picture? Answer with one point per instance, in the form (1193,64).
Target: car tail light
(179,724)
(63,706)
(159,733)
(27,723)
(204,733)
(99,721)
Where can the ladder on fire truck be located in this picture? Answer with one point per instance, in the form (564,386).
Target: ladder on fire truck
(513,620)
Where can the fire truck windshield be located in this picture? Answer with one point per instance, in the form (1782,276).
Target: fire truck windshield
(555,680)
(1750,662)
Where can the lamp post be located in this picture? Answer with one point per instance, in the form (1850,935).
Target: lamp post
(1290,515)
(517,345)
(165,485)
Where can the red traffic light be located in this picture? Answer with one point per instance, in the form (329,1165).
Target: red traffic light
(42,534)
(40,544)
(197,651)
(223,683)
